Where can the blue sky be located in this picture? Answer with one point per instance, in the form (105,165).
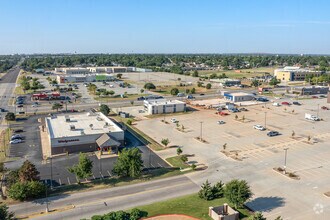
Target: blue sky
(165,26)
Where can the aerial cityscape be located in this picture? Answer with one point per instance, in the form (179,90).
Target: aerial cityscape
(164,110)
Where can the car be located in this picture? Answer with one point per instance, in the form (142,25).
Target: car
(223,113)
(2,110)
(34,105)
(243,109)
(322,96)
(202,94)
(233,110)
(276,104)
(259,127)
(18,131)
(173,120)
(324,108)
(221,122)
(16,136)
(315,97)
(180,94)
(16,141)
(286,103)
(190,97)
(111,86)
(296,103)
(20,106)
(19,103)
(273,133)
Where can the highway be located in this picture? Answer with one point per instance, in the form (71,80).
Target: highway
(85,204)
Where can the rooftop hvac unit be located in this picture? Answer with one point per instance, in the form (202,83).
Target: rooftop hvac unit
(72,127)
(82,132)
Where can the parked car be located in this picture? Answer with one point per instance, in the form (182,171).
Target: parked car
(20,106)
(173,120)
(223,113)
(202,94)
(273,133)
(259,127)
(296,103)
(111,86)
(16,136)
(276,104)
(243,110)
(190,97)
(315,97)
(322,96)
(16,141)
(286,103)
(18,131)
(324,108)
(311,117)
(221,122)
(233,110)
(180,94)
(2,110)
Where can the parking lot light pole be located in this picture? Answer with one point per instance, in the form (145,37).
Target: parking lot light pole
(286,152)
(51,172)
(265,120)
(201,135)
(318,108)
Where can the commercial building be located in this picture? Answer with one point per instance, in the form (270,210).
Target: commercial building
(311,90)
(238,96)
(72,70)
(290,73)
(161,106)
(84,78)
(83,132)
(229,82)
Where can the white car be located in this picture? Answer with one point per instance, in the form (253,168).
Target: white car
(15,141)
(111,86)
(16,136)
(173,120)
(221,122)
(34,105)
(259,127)
(276,104)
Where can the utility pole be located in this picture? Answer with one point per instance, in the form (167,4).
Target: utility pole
(51,172)
(201,134)
(47,209)
(100,162)
(265,120)
(318,108)
(286,152)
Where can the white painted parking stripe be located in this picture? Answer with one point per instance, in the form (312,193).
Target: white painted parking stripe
(59,180)
(109,173)
(160,165)
(94,176)
(68,180)
(101,175)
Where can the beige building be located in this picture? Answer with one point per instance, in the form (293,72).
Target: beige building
(291,73)
(161,106)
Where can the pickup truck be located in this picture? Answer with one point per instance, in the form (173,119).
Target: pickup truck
(311,117)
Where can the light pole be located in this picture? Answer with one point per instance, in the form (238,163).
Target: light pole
(286,152)
(51,172)
(265,120)
(318,108)
(201,134)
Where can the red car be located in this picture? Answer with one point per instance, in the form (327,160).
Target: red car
(315,97)
(223,113)
(324,108)
(286,103)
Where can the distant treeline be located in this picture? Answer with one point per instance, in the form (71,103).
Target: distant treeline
(177,63)
(7,62)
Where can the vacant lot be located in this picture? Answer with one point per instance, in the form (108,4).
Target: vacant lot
(242,73)
(252,154)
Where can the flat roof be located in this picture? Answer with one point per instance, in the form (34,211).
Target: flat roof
(59,127)
(241,94)
(163,102)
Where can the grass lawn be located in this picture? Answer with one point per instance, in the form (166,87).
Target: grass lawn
(190,205)
(241,73)
(177,162)
(4,143)
(166,90)
(132,97)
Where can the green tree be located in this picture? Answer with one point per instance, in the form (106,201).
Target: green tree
(165,141)
(193,166)
(184,158)
(5,214)
(149,86)
(206,191)
(26,190)
(141,90)
(179,151)
(111,92)
(92,88)
(193,91)
(217,190)
(208,86)
(129,163)
(174,91)
(105,109)
(137,214)
(28,172)
(274,82)
(119,75)
(257,216)
(57,106)
(195,73)
(84,167)
(238,192)
(129,122)
(255,83)
(10,116)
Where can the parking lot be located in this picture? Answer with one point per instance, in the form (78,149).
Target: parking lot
(251,150)
(56,169)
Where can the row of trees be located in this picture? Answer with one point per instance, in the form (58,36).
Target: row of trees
(134,214)
(8,61)
(175,63)
(28,83)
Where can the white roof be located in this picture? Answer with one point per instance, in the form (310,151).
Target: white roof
(59,127)
(241,94)
(163,102)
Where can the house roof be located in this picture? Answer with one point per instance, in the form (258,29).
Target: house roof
(106,140)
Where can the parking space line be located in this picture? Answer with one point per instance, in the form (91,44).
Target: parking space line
(59,180)
(94,176)
(152,165)
(109,173)
(68,180)
(101,175)
(160,165)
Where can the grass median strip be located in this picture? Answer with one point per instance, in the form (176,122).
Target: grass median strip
(190,205)
(177,162)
